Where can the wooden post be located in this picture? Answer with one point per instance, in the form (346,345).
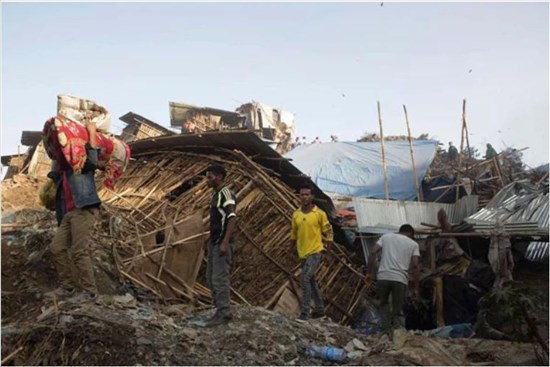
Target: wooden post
(418,191)
(460,154)
(19,165)
(499,172)
(465,127)
(386,190)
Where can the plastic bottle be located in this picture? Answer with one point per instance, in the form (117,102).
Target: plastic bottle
(327,353)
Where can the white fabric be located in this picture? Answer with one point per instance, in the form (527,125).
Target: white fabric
(397,251)
(287,118)
(76,109)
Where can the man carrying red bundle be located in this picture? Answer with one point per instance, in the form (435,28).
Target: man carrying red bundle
(77,209)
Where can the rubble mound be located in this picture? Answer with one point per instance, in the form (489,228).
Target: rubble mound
(27,266)
(128,325)
(119,330)
(21,191)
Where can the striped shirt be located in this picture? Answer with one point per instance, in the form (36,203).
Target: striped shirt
(222,207)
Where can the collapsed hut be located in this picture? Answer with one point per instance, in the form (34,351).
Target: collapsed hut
(159,242)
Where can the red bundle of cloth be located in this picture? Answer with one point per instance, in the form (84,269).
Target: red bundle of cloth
(66,139)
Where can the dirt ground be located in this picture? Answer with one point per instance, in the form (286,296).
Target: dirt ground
(127,325)
(21,192)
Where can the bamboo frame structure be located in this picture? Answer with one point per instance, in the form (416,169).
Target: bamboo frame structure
(263,264)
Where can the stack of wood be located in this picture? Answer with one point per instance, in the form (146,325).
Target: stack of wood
(488,176)
(159,244)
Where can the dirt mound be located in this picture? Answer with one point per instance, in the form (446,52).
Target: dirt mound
(120,330)
(27,266)
(20,192)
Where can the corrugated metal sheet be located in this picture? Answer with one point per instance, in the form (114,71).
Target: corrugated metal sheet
(537,251)
(521,205)
(392,214)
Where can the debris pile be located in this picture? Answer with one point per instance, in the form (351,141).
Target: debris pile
(374,137)
(130,327)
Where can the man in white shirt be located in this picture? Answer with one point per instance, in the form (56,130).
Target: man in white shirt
(399,253)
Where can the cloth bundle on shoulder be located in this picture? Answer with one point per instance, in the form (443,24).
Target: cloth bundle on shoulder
(66,139)
(78,109)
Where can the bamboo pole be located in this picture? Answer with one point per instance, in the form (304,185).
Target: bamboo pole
(418,191)
(12,355)
(159,249)
(18,157)
(386,190)
(460,156)
(140,283)
(168,238)
(543,178)
(498,170)
(465,127)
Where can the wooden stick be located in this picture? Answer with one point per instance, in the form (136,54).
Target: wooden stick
(251,240)
(543,178)
(151,276)
(151,252)
(139,246)
(460,155)
(130,204)
(442,194)
(167,239)
(499,171)
(239,296)
(432,255)
(140,283)
(446,186)
(499,155)
(277,295)
(466,128)
(418,191)
(386,190)
(10,356)
(355,272)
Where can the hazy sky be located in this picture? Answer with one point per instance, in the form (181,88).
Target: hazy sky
(327,63)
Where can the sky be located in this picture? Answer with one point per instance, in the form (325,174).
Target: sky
(328,63)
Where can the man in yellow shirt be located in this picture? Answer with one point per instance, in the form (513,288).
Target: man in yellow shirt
(308,224)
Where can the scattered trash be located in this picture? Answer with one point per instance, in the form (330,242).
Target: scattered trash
(143,341)
(327,353)
(454,331)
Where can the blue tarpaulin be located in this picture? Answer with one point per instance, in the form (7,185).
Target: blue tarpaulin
(355,169)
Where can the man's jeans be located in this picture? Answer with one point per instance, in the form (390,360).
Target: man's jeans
(217,277)
(75,231)
(391,319)
(309,284)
